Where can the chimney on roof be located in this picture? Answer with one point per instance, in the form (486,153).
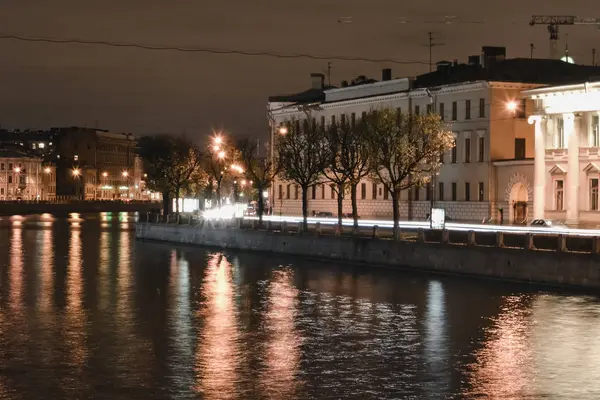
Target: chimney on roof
(318,81)
(455,63)
(344,83)
(443,65)
(386,74)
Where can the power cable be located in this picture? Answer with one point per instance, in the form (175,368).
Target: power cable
(202,49)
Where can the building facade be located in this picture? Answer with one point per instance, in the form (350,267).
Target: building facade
(489,172)
(566,120)
(24,178)
(486,131)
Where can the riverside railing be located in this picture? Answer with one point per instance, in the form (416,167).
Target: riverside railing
(510,240)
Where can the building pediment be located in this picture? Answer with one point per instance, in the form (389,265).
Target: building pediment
(557,170)
(591,168)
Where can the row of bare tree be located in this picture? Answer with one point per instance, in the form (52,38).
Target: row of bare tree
(398,151)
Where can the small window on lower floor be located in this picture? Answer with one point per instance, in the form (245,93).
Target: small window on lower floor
(559,192)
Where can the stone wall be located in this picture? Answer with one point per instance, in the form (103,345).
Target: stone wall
(541,267)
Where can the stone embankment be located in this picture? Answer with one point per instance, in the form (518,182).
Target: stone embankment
(555,260)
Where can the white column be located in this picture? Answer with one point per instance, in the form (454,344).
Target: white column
(539,168)
(572,139)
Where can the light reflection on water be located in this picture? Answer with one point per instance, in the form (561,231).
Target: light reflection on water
(91,313)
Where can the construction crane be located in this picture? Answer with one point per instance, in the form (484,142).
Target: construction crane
(554,21)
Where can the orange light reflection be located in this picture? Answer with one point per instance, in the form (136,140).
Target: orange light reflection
(218,354)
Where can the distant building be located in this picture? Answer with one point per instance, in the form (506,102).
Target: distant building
(23,177)
(567,152)
(482,103)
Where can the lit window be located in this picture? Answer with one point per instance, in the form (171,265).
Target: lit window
(594,194)
(76,157)
(559,195)
(41,145)
(560,134)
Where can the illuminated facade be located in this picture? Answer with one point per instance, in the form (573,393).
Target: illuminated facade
(25,178)
(567,152)
(494,146)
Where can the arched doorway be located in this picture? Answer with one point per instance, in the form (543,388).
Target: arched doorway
(518,203)
(518,194)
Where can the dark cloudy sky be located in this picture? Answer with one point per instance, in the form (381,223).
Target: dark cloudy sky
(46,85)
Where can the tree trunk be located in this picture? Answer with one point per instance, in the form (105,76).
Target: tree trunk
(396,211)
(166,203)
(354,205)
(340,204)
(261,205)
(177,190)
(305,207)
(218,194)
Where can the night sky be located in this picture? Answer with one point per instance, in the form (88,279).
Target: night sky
(140,91)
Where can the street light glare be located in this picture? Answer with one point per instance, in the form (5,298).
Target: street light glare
(76,172)
(105,174)
(216,147)
(17,170)
(125,174)
(511,106)
(283,130)
(47,170)
(218,140)
(221,154)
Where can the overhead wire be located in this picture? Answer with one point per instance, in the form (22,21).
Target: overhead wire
(222,51)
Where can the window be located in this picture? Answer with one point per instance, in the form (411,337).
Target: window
(1,166)
(481,149)
(519,149)
(322,191)
(559,194)
(454,111)
(416,193)
(453,191)
(353,120)
(332,186)
(2,191)
(333,120)
(295,192)
(280,192)
(22,179)
(595,142)
(75,157)
(417,110)
(363,191)
(481,108)
(468,109)
(468,150)
(374,191)
(386,193)
(442,111)
(467,191)
(313,192)
(521,109)
(287,191)
(441,191)
(594,194)
(10,166)
(428,191)
(453,153)
(10,179)
(480,192)
(429,108)
(560,137)
(323,121)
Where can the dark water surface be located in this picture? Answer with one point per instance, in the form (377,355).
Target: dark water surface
(88,312)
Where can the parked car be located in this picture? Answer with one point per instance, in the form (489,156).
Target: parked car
(349,216)
(324,214)
(545,223)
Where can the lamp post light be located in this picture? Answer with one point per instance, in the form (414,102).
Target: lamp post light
(125,175)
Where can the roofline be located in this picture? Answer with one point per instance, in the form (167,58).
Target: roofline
(584,87)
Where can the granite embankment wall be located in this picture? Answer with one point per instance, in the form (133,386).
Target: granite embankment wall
(555,268)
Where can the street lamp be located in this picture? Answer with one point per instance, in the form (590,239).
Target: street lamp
(221,155)
(511,106)
(283,130)
(47,170)
(105,174)
(17,170)
(125,174)
(76,172)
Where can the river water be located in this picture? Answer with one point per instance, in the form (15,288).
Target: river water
(87,312)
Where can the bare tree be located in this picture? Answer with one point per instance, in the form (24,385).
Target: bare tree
(259,170)
(355,159)
(171,163)
(335,145)
(300,157)
(404,150)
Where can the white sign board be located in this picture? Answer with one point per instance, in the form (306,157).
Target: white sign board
(438,218)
